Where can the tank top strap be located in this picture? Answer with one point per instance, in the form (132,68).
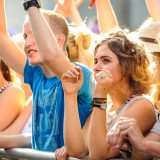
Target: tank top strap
(123,108)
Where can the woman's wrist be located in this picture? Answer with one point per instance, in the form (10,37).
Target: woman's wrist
(100,103)
(70,94)
(100,93)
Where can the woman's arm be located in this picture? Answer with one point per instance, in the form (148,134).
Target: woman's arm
(153,8)
(17,126)
(69,9)
(98,148)
(141,112)
(74,136)
(106,17)
(12,141)
(144,147)
(50,44)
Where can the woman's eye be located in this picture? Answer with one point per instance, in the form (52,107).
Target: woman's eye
(106,60)
(95,61)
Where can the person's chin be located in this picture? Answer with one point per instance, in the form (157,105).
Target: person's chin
(33,63)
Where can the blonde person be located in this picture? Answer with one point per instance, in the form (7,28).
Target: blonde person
(119,63)
(46,52)
(81,40)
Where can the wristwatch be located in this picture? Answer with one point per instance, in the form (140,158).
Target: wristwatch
(100,106)
(31,3)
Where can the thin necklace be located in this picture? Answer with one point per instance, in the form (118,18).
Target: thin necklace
(129,99)
(5,86)
(123,103)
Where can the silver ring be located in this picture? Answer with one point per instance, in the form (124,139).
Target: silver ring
(102,77)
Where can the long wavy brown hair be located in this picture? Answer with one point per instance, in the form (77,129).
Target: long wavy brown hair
(132,57)
(6,72)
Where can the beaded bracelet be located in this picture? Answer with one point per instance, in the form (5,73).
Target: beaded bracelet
(99,100)
(99,103)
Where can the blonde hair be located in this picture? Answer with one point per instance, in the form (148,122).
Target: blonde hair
(57,23)
(78,41)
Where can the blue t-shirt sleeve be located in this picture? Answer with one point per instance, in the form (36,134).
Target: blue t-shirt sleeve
(32,74)
(85,94)
(28,74)
(87,86)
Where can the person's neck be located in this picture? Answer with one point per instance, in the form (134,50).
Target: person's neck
(118,98)
(47,71)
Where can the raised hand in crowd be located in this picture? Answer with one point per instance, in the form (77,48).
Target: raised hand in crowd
(72,81)
(153,9)
(74,135)
(69,9)
(52,63)
(106,17)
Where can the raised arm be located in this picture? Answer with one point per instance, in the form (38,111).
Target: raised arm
(106,17)
(153,8)
(51,47)
(74,136)
(10,53)
(69,9)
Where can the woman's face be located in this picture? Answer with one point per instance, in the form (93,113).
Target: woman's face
(105,59)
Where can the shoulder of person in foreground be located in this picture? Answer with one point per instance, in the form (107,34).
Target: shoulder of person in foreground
(12,102)
(19,125)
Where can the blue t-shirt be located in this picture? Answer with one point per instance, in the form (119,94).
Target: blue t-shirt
(48,106)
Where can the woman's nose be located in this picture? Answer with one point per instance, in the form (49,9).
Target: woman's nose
(97,67)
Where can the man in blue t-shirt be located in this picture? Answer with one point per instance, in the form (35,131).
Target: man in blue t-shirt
(45,49)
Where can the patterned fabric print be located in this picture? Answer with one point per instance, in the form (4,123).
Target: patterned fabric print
(48,108)
(45,115)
